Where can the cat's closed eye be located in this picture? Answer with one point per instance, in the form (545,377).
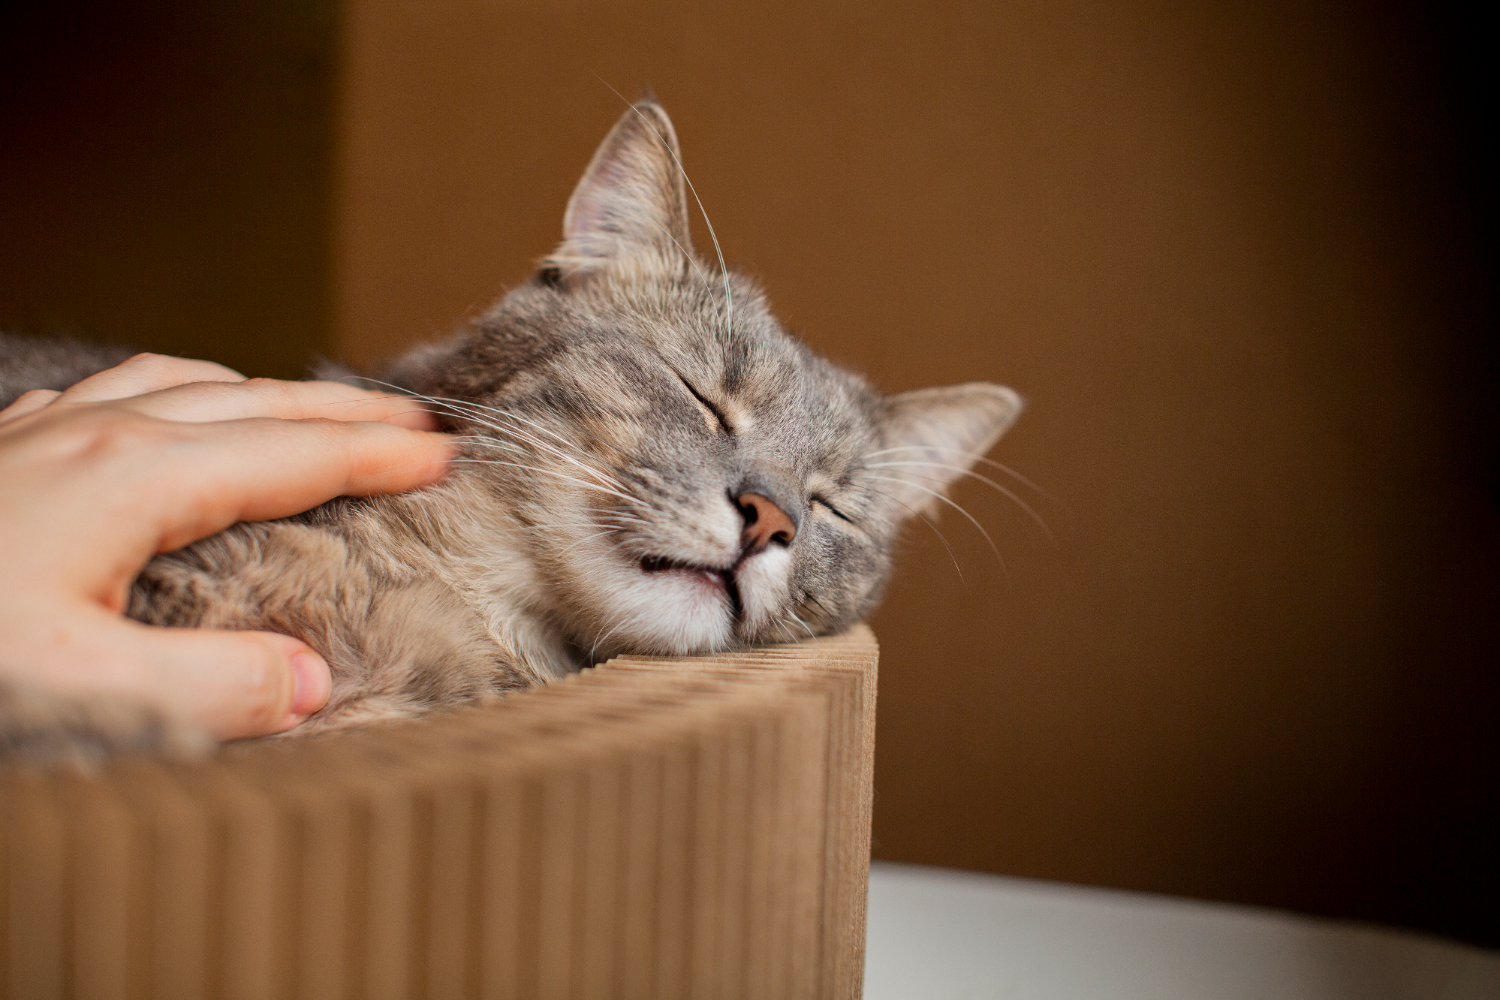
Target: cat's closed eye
(826,505)
(712,411)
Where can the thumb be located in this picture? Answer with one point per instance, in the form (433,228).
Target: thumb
(235,684)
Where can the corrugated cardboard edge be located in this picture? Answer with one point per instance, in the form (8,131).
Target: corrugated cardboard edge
(652,827)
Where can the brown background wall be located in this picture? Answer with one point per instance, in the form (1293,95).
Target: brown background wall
(166,175)
(1232,254)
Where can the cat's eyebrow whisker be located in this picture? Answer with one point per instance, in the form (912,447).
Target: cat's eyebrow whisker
(723,268)
(550,472)
(936,495)
(686,256)
(972,475)
(970,456)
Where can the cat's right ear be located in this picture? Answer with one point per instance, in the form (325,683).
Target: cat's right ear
(629,212)
(934,436)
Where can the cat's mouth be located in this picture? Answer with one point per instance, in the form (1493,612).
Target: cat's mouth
(713,575)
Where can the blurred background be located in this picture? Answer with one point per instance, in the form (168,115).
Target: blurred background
(1235,254)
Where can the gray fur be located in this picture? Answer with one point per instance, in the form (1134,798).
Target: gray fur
(28,363)
(612,409)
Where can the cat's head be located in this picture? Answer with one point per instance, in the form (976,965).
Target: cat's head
(686,476)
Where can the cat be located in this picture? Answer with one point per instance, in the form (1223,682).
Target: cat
(649,464)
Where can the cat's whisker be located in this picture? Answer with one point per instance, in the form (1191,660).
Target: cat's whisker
(690,258)
(477,414)
(508,415)
(628,519)
(944,499)
(601,473)
(597,473)
(979,527)
(491,442)
(606,635)
(970,457)
(925,520)
(471,411)
(509,446)
(821,606)
(549,472)
(972,475)
(612,513)
(443,404)
(798,619)
(588,538)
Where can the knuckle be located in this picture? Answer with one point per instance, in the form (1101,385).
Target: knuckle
(279,393)
(36,397)
(150,366)
(160,371)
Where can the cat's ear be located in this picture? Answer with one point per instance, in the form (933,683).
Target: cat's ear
(630,209)
(934,436)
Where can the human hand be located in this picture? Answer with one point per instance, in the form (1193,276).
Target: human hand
(152,455)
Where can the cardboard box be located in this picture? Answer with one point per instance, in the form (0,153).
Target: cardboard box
(653,828)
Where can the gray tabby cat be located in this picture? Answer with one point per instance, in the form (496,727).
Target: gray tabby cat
(650,465)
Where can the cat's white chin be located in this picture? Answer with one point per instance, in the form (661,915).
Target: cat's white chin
(658,606)
(676,611)
(762,582)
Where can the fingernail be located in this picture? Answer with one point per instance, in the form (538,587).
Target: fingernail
(313,683)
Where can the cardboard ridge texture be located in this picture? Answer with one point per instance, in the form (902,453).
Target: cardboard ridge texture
(650,828)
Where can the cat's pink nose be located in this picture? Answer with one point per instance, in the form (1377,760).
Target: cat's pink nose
(764,523)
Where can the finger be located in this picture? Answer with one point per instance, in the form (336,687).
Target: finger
(198,402)
(235,684)
(228,684)
(28,402)
(259,470)
(147,373)
(120,487)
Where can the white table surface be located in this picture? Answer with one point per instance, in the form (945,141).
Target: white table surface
(941,934)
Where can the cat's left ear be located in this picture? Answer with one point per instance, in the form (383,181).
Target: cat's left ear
(630,209)
(933,436)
